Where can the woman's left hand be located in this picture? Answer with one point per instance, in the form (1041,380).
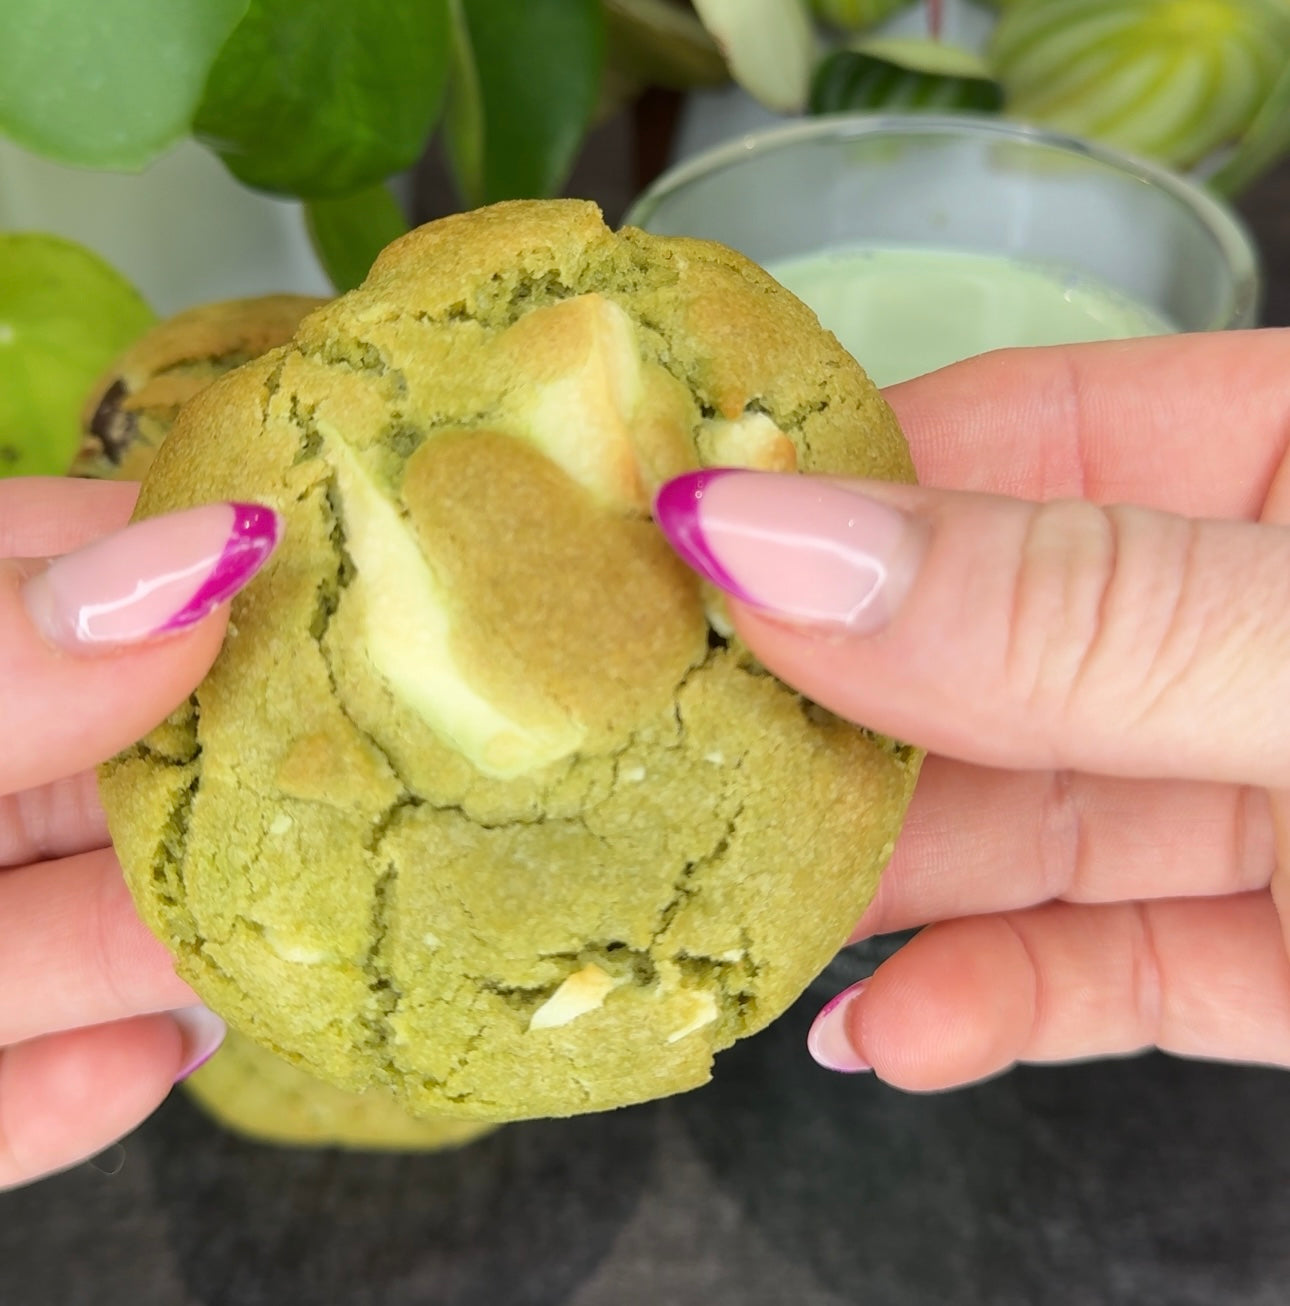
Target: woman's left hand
(96,648)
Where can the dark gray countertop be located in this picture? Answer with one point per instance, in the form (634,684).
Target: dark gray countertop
(1147,1181)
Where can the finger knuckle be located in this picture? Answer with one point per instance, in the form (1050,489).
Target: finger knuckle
(1062,837)
(1115,617)
(1146,987)
(1064,575)
(1253,856)
(19,840)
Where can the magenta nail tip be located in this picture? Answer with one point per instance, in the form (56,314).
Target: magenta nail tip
(196,1064)
(255,533)
(839,998)
(676,513)
(815,1040)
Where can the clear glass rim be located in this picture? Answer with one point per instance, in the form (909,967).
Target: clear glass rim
(1235,246)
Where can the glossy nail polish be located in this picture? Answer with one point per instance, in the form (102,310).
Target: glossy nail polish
(803,548)
(154,577)
(829,1041)
(203,1032)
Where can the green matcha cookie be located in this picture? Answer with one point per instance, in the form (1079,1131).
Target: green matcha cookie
(479,802)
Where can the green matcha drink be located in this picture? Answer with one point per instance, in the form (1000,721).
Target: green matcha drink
(903,311)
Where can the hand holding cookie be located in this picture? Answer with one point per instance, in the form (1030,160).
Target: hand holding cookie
(96,647)
(1100,839)
(482,800)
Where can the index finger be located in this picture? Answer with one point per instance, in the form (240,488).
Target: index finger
(1194,424)
(99,645)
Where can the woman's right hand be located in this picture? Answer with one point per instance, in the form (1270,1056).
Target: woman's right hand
(1084,614)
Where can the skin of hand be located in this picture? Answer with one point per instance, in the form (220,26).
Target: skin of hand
(104,630)
(1083,613)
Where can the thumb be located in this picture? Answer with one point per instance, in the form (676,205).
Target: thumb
(97,646)
(1008,633)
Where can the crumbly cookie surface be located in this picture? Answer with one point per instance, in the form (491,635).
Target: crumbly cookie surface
(479,802)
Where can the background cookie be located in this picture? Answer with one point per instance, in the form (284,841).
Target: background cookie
(478,801)
(132,409)
(134,405)
(252,1092)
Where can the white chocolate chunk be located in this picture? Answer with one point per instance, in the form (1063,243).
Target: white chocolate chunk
(752,440)
(280,824)
(581,992)
(632,774)
(716,611)
(407,636)
(715,759)
(586,387)
(702,1008)
(296,953)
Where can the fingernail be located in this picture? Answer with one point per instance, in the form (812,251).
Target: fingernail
(203,1031)
(829,1041)
(152,578)
(801,547)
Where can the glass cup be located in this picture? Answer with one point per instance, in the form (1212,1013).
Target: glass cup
(968,185)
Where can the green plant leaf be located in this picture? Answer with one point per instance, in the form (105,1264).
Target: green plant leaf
(64,316)
(924,54)
(849,80)
(657,43)
(853,15)
(463,115)
(526,76)
(1265,144)
(769,44)
(106,85)
(1175,81)
(349,233)
(324,98)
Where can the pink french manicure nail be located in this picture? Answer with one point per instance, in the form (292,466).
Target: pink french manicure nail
(154,577)
(829,1041)
(203,1032)
(803,548)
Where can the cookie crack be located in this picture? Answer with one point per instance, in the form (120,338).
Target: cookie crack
(272,384)
(683,886)
(327,603)
(167,868)
(226,361)
(168,864)
(353,354)
(506,823)
(384,993)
